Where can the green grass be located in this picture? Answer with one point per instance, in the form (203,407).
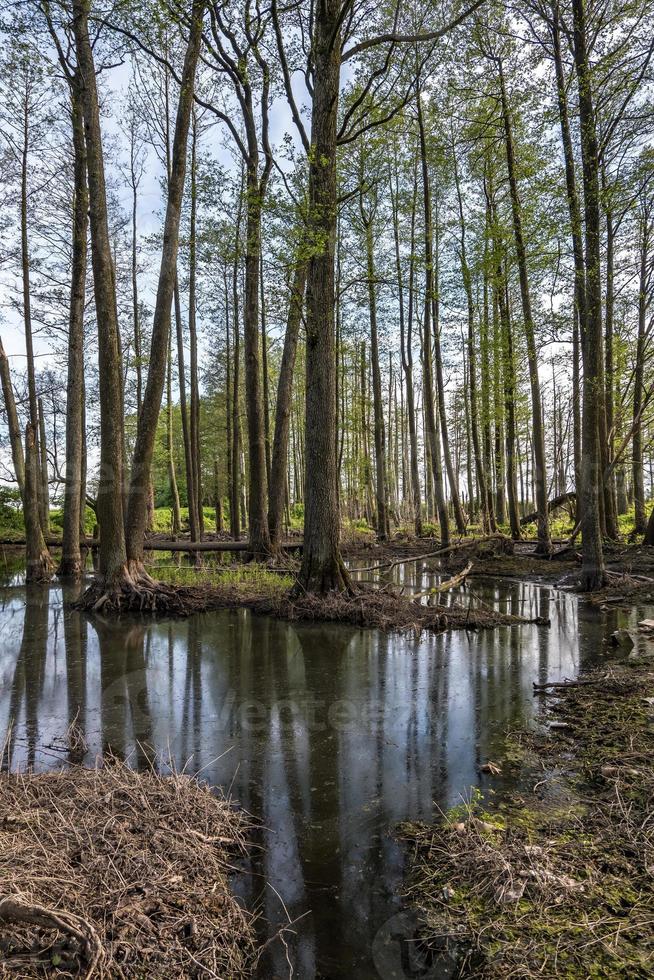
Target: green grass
(246,578)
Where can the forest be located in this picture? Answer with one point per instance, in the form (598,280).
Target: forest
(335,315)
(406,289)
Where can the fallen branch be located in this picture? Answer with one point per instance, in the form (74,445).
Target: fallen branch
(14,911)
(461,543)
(450,583)
(553,504)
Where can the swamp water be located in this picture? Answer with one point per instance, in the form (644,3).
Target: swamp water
(327,734)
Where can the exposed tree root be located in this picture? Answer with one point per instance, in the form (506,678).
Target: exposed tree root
(41,568)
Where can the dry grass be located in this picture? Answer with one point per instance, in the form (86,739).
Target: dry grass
(539,889)
(110,873)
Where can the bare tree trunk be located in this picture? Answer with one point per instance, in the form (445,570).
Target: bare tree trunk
(277,484)
(39,564)
(258,533)
(71,557)
(27,306)
(170,452)
(183,410)
(322,566)
(44,482)
(266,383)
(452,477)
(593,573)
(113,555)
(149,417)
(482,489)
(236,420)
(17,454)
(216,499)
(576,225)
(382,519)
(428,393)
(639,375)
(606,418)
(407,353)
(540,475)
(509,405)
(194,427)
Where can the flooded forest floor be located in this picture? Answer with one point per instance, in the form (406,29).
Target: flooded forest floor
(555,881)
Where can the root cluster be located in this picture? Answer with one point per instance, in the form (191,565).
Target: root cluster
(116,874)
(382,608)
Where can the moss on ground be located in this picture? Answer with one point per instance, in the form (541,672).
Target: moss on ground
(557,882)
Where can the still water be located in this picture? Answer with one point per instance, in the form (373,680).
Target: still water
(328,735)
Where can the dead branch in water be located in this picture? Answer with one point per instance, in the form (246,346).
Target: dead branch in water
(457,546)
(450,583)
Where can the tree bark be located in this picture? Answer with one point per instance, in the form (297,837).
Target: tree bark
(15,439)
(428,393)
(258,533)
(382,518)
(406,348)
(71,557)
(277,484)
(113,555)
(639,376)
(39,567)
(142,460)
(540,474)
(593,573)
(322,566)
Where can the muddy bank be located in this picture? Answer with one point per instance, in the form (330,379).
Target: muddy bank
(112,873)
(557,881)
(385,608)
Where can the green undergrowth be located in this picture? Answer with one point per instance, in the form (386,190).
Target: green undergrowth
(243,578)
(556,880)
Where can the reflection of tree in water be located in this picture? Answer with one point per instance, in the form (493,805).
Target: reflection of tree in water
(75,647)
(29,670)
(126,717)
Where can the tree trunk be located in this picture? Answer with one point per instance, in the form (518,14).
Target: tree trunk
(509,406)
(277,484)
(27,302)
(428,393)
(266,382)
(452,477)
(113,555)
(540,474)
(149,417)
(406,348)
(322,566)
(194,421)
(593,573)
(71,557)
(176,522)
(482,489)
(16,442)
(39,567)
(639,375)
(382,519)
(258,533)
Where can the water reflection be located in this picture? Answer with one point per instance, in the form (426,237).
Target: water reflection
(329,735)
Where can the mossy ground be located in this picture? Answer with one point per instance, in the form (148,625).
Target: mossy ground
(557,881)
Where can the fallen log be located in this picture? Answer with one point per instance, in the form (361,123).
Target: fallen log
(161,544)
(553,504)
